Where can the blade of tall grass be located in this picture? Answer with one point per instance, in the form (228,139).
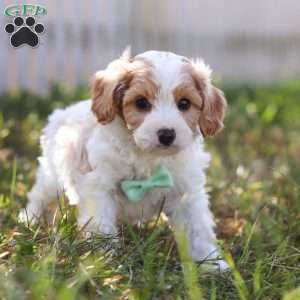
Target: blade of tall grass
(189,269)
(237,278)
(13,180)
(293,295)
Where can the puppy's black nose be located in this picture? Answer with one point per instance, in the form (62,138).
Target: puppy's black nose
(166,136)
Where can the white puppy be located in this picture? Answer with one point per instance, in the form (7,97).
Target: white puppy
(147,111)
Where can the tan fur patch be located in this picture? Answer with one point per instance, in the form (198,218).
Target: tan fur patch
(211,119)
(104,102)
(213,102)
(188,90)
(115,90)
(142,85)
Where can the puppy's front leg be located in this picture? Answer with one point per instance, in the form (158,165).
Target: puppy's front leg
(194,217)
(97,211)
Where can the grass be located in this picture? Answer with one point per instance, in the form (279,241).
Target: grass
(254,185)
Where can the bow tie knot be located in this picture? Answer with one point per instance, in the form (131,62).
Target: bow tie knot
(135,190)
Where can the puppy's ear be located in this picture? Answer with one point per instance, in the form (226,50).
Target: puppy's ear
(213,112)
(108,88)
(213,101)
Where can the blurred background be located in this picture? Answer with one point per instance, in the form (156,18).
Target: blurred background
(243,41)
(254,49)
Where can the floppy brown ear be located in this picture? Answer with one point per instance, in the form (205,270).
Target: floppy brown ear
(103,105)
(213,111)
(213,101)
(108,88)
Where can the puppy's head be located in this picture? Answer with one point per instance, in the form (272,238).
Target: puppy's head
(164,99)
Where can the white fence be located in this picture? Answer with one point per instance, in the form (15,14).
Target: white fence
(242,40)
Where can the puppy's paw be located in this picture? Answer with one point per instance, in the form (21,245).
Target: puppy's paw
(215,266)
(222,266)
(90,228)
(26,217)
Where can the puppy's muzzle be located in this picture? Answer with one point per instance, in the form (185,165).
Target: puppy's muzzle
(166,136)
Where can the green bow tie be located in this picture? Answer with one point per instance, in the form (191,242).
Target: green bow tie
(135,189)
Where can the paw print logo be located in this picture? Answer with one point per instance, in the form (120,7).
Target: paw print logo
(24,33)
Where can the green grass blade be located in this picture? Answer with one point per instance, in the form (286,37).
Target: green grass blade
(238,279)
(189,269)
(13,180)
(293,295)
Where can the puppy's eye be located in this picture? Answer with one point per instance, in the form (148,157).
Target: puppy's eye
(143,104)
(184,104)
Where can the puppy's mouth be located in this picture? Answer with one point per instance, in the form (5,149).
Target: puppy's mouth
(156,148)
(161,151)
(168,149)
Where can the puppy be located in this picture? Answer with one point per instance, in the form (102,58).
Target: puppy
(150,110)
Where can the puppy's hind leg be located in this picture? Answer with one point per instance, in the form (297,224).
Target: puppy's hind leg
(42,193)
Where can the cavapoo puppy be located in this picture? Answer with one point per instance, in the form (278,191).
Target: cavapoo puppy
(148,114)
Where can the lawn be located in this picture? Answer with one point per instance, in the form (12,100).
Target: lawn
(254,183)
